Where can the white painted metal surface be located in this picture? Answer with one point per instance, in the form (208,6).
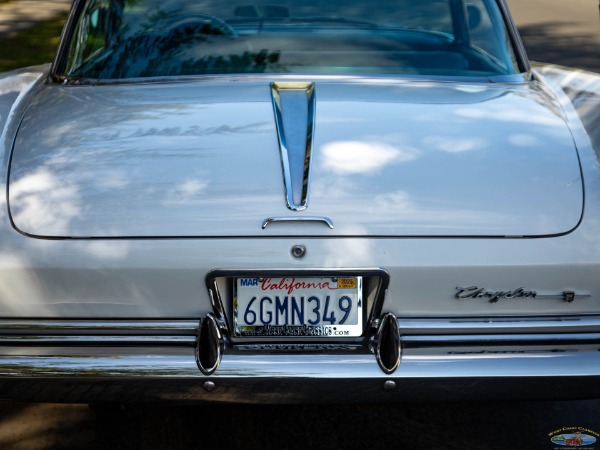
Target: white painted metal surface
(201,159)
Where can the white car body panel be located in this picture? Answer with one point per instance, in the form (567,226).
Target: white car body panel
(126,278)
(165,160)
(105,291)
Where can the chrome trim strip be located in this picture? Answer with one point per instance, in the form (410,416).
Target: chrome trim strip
(436,363)
(567,296)
(30,340)
(327,221)
(499,325)
(517,78)
(97,327)
(515,37)
(481,332)
(277,89)
(60,57)
(189,341)
(186,329)
(494,339)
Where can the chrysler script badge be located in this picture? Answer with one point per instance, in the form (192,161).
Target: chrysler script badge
(520,293)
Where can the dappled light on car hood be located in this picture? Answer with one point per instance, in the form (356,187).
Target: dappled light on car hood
(180,161)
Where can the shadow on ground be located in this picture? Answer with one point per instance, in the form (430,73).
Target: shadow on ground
(449,426)
(35,426)
(543,44)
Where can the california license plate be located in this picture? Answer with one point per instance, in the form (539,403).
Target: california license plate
(298,306)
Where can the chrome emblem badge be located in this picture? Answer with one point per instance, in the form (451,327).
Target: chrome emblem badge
(294,107)
(519,293)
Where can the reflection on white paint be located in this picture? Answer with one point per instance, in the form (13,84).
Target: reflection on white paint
(524,140)
(455,145)
(108,250)
(334,188)
(109,180)
(397,201)
(360,253)
(333,120)
(500,113)
(18,83)
(40,201)
(573,79)
(391,206)
(472,88)
(22,292)
(185,192)
(359,157)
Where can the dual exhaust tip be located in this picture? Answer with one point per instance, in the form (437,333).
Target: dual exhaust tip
(385,344)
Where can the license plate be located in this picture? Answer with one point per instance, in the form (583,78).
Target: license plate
(298,306)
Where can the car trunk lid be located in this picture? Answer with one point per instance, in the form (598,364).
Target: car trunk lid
(202,158)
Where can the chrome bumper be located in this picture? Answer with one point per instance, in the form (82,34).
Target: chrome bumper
(154,361)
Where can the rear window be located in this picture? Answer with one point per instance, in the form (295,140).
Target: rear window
(121,39)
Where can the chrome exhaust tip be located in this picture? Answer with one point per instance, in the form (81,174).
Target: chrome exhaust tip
(386,343)
(209,345)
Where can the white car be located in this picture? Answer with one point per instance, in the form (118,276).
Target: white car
(301,201)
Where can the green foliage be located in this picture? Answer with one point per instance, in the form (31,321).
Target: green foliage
(35,45)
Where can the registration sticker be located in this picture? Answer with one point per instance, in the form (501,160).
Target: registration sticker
(298,307)
(346,283)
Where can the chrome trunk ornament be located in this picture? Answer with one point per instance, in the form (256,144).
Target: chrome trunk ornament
(294,107)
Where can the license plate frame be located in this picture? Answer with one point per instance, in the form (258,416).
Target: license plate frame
(331,296)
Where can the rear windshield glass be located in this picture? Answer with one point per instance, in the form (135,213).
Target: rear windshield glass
(120,39)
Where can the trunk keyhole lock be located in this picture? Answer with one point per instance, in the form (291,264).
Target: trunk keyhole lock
(298,251)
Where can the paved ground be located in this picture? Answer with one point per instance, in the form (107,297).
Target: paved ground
(439,426)
(17,15)
(565,32)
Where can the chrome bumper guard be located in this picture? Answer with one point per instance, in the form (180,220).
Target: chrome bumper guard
(441,359)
